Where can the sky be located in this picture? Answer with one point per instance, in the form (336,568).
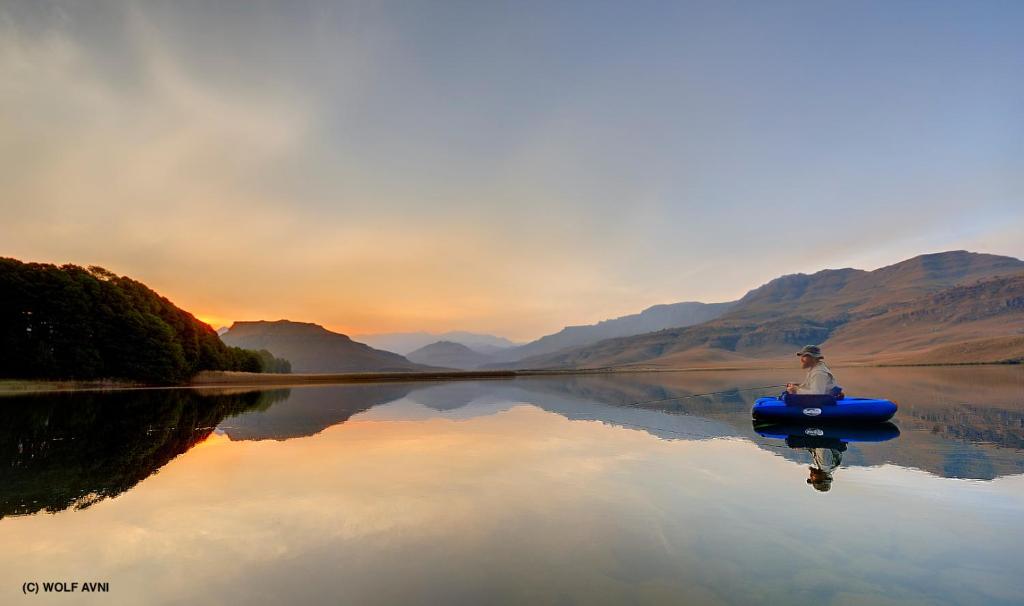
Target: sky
(508,168)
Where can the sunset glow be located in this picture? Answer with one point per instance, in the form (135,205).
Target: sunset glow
(393,166)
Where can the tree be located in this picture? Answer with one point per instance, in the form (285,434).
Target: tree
(69,322)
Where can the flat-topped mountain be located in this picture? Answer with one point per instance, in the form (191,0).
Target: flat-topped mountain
(449,354)
(952,297)
(311,348)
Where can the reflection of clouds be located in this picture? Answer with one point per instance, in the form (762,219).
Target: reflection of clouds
(527,505)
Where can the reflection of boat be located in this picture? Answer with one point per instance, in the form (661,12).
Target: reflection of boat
(825,436)
(823,409)
(825,444)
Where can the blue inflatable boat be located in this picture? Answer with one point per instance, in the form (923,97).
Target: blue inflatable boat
(803,408)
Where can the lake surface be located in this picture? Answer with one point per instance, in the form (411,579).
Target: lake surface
(529,491)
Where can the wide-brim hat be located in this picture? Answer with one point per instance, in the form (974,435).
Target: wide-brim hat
(820,479)
(811,350)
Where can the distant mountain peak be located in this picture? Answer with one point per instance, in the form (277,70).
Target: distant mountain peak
(407,342)
(448,345)
(283,327)
(276,323)
(312,348)
(448,354)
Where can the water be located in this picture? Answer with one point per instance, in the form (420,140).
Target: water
(553,490)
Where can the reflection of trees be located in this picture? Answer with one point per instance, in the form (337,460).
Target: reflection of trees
(72,450)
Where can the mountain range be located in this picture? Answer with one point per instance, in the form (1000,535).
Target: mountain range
(946,307)
(949,307)
(651,319)
(468,350)
(407,342)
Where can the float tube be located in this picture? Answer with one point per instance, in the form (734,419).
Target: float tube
(826,436)
(804,408)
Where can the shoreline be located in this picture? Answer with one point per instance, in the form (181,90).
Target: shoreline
(17,387)
(217,379)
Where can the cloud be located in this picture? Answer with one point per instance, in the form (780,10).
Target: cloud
(134,165)
(379,169)
(164,179)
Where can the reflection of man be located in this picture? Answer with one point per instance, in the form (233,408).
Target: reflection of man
(824,461)
(826,455)
(819,379)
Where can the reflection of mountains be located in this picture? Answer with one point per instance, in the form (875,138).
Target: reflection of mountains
(977,424)
(942,431)
(964,422)
(73,450)
(310,410)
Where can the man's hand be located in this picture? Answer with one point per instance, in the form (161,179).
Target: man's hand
(791,387)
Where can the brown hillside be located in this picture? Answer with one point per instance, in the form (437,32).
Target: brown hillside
(904,308)
(313,349)
(830,294)
(989,313)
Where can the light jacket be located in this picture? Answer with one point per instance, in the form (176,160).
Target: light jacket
(819,380)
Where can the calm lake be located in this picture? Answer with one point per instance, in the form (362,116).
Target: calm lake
(528,491)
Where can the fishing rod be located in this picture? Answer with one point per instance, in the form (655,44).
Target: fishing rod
(701,395)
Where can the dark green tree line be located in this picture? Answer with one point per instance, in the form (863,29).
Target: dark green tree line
(70,322)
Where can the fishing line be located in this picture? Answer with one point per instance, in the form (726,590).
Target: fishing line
(701,395)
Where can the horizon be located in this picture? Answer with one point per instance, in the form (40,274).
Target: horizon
(502,169)
(227,324)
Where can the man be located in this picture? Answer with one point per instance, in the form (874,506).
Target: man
(819,378)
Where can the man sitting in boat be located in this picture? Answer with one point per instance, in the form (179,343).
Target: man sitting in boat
(819,379)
